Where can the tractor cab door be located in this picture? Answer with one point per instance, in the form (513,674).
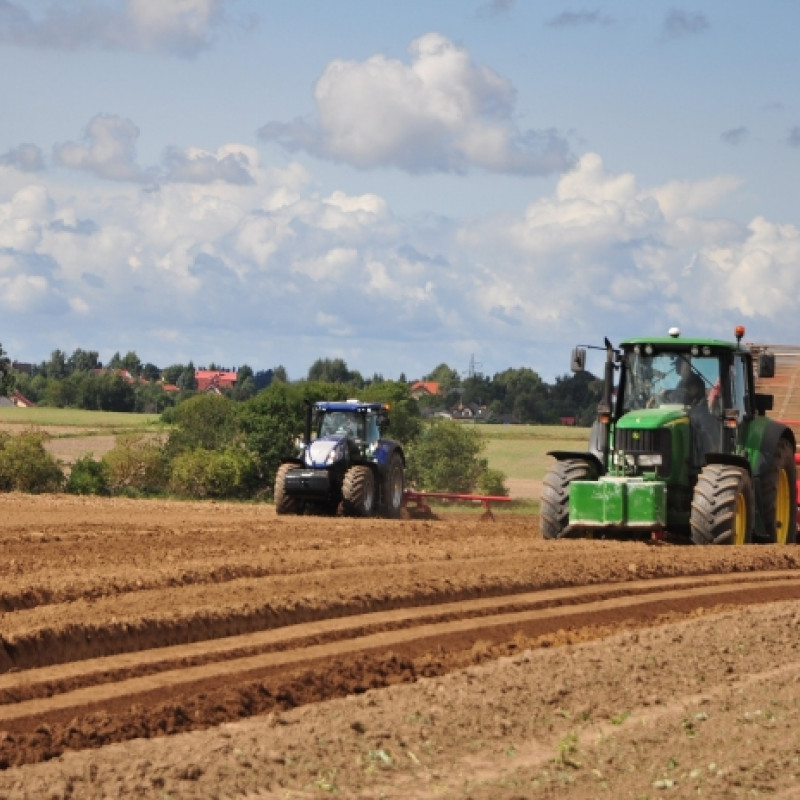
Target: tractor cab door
(738,398)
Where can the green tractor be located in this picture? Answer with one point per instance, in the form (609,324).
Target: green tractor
(681,449)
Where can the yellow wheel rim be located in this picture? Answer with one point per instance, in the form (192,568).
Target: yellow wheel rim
(740,520)
(782,508)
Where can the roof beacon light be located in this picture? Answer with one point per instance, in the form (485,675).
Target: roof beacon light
(738,332)
(674,331)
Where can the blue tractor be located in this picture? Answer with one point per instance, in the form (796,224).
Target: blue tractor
(344,464)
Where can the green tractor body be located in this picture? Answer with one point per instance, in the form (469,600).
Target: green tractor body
(681,449)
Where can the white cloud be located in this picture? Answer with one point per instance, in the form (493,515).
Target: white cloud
(178,27)
(271,262)
(24,157)
(230,165)
(108,150)
(440,113)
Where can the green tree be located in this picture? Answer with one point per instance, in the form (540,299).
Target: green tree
(83,360)
(150,372)
(7,378)
(447,378)
(88,476)
(404,414)
(523,395)
(132,363)
(187,380)
(136,465)
(205,421)
(445,457)
(56,368)
(575,395)
(172,373)
(202,473)
(327,370)
(269,424)
(25,465)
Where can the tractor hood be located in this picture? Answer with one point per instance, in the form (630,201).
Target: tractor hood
(326,450)
(652,418)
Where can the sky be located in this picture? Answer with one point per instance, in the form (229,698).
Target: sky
(480,183)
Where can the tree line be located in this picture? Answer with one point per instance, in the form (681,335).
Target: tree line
(228,446)
(79,380)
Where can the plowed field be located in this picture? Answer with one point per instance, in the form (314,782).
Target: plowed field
(184,650)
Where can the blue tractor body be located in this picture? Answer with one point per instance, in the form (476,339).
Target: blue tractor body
(344,463)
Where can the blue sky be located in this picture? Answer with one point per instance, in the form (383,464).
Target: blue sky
(395,184)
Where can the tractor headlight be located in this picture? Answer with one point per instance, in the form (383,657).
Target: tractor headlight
(336,454)
(650,460)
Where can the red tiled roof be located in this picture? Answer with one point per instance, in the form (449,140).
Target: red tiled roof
(427,387)
(206,378)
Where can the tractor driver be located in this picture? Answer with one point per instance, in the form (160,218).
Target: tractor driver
(705,426)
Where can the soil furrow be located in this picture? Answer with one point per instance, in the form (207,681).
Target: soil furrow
(229,689)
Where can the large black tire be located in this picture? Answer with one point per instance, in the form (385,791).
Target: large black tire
(393,487)
(359,492)
(554,512)
(723,509)
(284,503)
(779,487)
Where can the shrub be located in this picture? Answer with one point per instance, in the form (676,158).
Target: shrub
(89,477)
(445,458)
(25,466)
(492,482)
(136,464)
(211,473)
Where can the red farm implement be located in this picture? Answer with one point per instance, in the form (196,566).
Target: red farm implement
(420,507)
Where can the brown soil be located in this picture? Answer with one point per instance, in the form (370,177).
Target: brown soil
(188,650)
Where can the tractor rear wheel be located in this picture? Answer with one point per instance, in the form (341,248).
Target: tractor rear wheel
(780,496)
(284,503)
(393,487)
(358,492)
(723,509)
(554,513)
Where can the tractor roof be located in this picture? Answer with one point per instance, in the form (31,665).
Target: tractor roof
(350,405)
(680,343)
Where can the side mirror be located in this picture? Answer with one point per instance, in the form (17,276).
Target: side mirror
(578,359)
(763,403)
(766,365)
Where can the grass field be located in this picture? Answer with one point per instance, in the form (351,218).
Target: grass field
(520,451)
(42,416)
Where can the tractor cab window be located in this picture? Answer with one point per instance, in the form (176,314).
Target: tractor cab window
(738,386)
(373,434)
(342,422)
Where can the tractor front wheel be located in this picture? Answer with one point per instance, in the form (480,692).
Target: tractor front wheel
(358,492)
(723,510)
(554,513)
(780,496)
(284,503)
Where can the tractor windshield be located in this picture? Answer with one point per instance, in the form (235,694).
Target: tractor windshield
(350,423)
(659,378)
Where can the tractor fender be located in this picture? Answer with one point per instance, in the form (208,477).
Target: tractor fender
(730,458)
(773,433)
(589,458)
(384,452)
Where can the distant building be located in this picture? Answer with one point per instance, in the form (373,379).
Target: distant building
(213,380)
(16,399)
(424,389)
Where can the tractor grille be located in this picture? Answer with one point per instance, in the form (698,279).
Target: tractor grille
(647,441)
